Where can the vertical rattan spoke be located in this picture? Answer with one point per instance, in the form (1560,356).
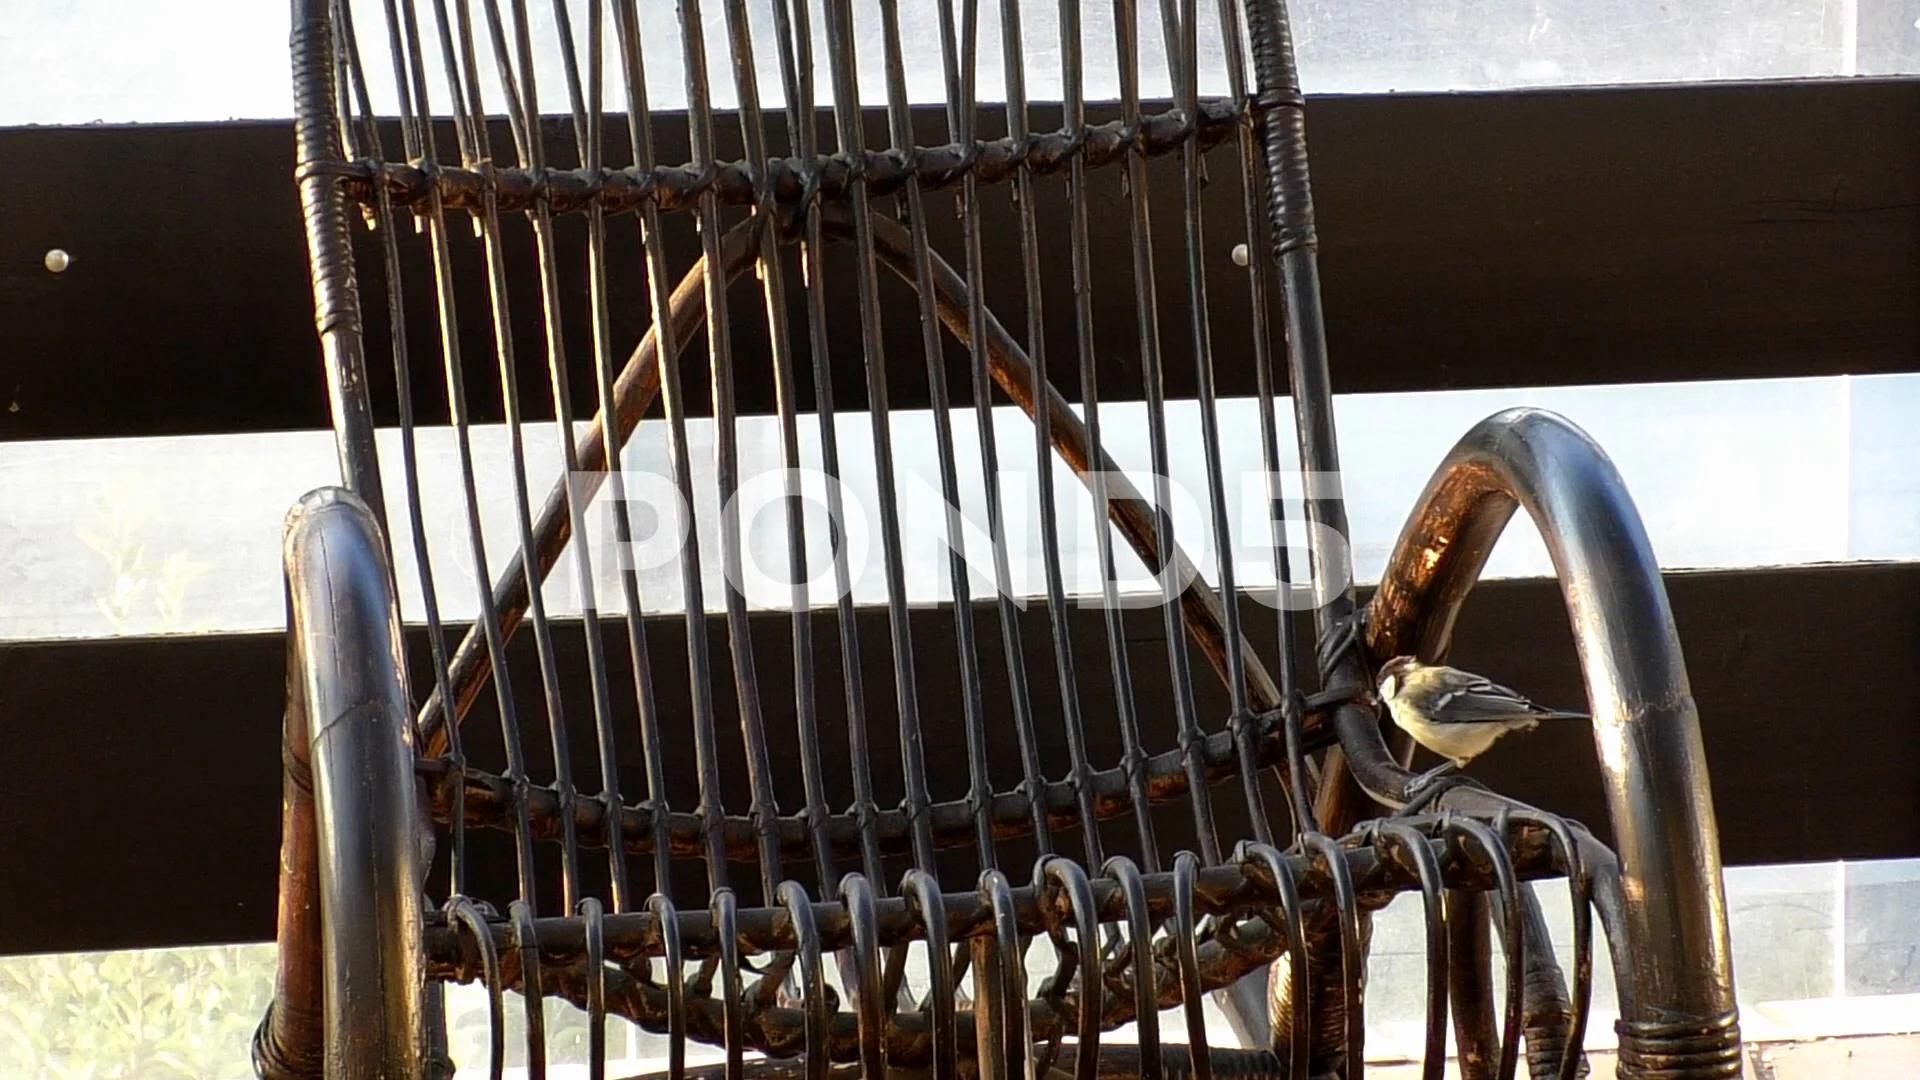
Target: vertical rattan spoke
(418,145)
(774,291)
(551,295)
(1259,274)
(1013,57)
(963,124)
(493,240)
(660,302)
(588,125)
(1146,300)
(1120,669)
(719,351)
(1240,719)
(960,130)
(793,35)
(459,414)
(846,111)
(900,128)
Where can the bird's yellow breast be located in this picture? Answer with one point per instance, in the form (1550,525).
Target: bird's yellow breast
(1459,743)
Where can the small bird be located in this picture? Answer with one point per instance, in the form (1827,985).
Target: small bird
(1455,713)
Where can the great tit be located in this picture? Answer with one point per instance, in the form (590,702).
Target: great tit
(1455,713)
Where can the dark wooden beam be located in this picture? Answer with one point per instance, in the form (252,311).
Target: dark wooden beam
(140,807)
(1468,240)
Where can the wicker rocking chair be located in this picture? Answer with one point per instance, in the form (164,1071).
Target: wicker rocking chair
(398,821)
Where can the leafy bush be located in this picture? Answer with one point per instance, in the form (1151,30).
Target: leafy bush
(156,1014)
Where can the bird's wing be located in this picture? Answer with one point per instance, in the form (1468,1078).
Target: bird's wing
(1466,698)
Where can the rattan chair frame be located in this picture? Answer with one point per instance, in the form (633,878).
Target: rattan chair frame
(373,783)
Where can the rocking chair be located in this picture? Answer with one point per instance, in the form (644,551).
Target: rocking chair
(402,812)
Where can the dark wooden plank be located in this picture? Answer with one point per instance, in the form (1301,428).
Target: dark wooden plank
(1521,238)
(140,807)
(1813,739)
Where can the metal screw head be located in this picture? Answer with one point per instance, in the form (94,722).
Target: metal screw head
(57,261)
(1239,254)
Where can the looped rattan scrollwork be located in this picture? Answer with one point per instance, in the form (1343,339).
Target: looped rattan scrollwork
(1056,879)
(1560,1048)
(464,915)
(1185,871)
(1276,874)
(1414,846)
(592,917)
(527,951)
(818,1007)
(1507,913)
